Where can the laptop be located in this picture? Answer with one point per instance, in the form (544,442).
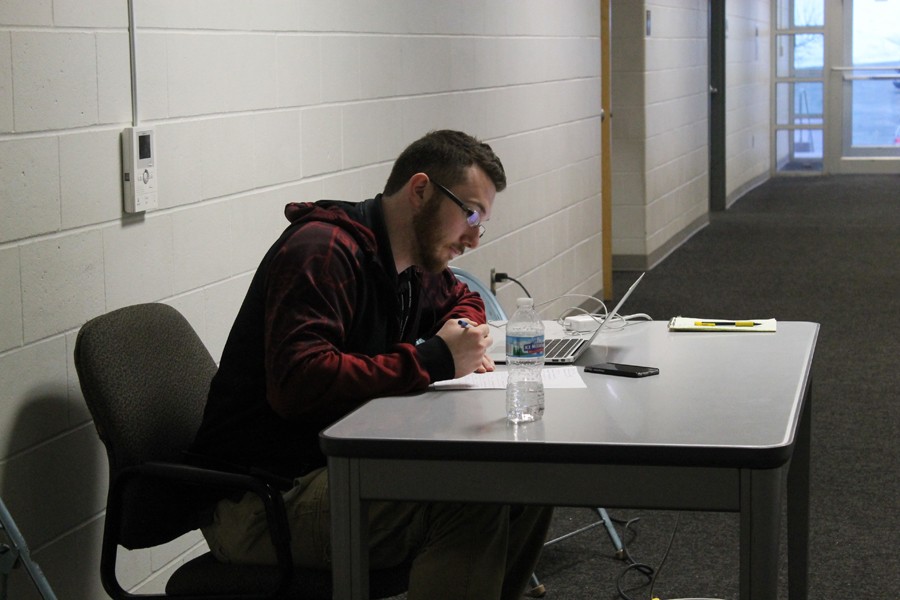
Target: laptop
(565,350)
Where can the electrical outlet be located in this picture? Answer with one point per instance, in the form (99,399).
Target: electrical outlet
(493,281)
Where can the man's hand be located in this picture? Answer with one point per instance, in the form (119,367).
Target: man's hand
(468,344)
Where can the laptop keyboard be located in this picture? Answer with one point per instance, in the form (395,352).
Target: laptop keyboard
(557,347)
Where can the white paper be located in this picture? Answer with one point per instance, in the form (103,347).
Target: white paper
(553,377)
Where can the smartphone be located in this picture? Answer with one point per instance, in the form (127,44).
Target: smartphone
(621,370)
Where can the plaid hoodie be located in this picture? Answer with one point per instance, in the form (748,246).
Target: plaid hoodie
(326,325)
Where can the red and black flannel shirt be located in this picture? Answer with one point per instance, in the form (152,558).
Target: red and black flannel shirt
(319,333)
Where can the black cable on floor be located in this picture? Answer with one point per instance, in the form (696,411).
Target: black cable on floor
(665,555)
(643,569)
(646,570)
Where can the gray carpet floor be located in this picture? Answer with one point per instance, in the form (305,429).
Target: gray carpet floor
(823,249)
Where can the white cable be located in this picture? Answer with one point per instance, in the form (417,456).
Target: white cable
(132,35)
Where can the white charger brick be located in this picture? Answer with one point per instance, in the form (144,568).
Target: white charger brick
(139,261)
(29,186)
(58,90)
(90,178)
(10,299)
(62,283)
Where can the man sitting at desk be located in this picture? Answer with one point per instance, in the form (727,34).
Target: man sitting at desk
(355,301)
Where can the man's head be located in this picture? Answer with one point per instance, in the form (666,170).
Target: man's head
(445,155)
(446,183)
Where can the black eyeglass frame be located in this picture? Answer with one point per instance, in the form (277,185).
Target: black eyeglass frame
(473,217)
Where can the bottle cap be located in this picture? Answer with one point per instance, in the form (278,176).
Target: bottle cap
(526,302)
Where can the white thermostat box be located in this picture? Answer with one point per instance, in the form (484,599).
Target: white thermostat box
(139,169)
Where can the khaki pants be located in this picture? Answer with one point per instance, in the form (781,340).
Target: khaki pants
(458,551)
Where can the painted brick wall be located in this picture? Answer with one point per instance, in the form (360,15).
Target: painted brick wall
(747,97)
(660,86)
(255,104)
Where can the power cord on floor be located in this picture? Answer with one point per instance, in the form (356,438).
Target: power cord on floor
(649,573)
(662,561)
(643,569)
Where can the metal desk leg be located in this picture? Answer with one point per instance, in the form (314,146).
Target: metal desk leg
(760,533)
(798,507)
(349,531)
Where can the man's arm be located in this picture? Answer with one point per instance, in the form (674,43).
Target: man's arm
(313,288)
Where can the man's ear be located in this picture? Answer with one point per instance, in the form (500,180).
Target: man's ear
(418,183)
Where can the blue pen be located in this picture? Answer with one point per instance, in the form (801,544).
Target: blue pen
(463,324)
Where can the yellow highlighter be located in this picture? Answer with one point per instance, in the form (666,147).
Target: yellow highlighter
(725,323)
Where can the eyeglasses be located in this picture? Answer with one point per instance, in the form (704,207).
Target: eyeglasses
(473,217)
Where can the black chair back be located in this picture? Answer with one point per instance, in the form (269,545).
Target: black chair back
(145,374)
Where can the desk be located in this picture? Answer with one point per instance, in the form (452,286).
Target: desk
(720,426)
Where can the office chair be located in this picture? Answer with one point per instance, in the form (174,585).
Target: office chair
(145,375)
(495,313)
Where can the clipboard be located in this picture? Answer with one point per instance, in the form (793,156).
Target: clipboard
(713,325)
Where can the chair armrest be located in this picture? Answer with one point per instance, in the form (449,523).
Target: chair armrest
(202,478)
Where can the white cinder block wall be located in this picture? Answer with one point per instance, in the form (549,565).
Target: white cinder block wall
(748,89)
(664,98)
(255,104)
(660,128)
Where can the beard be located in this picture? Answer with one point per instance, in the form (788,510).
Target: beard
(427,238)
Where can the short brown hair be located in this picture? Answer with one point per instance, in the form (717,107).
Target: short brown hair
(445,155)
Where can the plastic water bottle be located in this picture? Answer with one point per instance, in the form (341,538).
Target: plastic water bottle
(524,360)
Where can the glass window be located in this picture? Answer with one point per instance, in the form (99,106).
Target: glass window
(800,55)
(809,13)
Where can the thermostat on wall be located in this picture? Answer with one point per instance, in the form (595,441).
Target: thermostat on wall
(139,169)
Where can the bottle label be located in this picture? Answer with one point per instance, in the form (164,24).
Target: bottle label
(525,346)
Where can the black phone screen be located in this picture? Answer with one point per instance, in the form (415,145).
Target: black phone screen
(621,370)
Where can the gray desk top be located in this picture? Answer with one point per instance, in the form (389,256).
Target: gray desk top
(721,399)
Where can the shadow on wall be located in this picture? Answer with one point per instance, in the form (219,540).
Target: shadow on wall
(55,492)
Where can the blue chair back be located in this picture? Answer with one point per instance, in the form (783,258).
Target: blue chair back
(492,306)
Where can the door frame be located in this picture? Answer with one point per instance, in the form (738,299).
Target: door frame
(606,146)
(717,112)
(838,14)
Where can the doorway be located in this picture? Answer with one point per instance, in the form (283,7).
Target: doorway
(864,86)
(836,97)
